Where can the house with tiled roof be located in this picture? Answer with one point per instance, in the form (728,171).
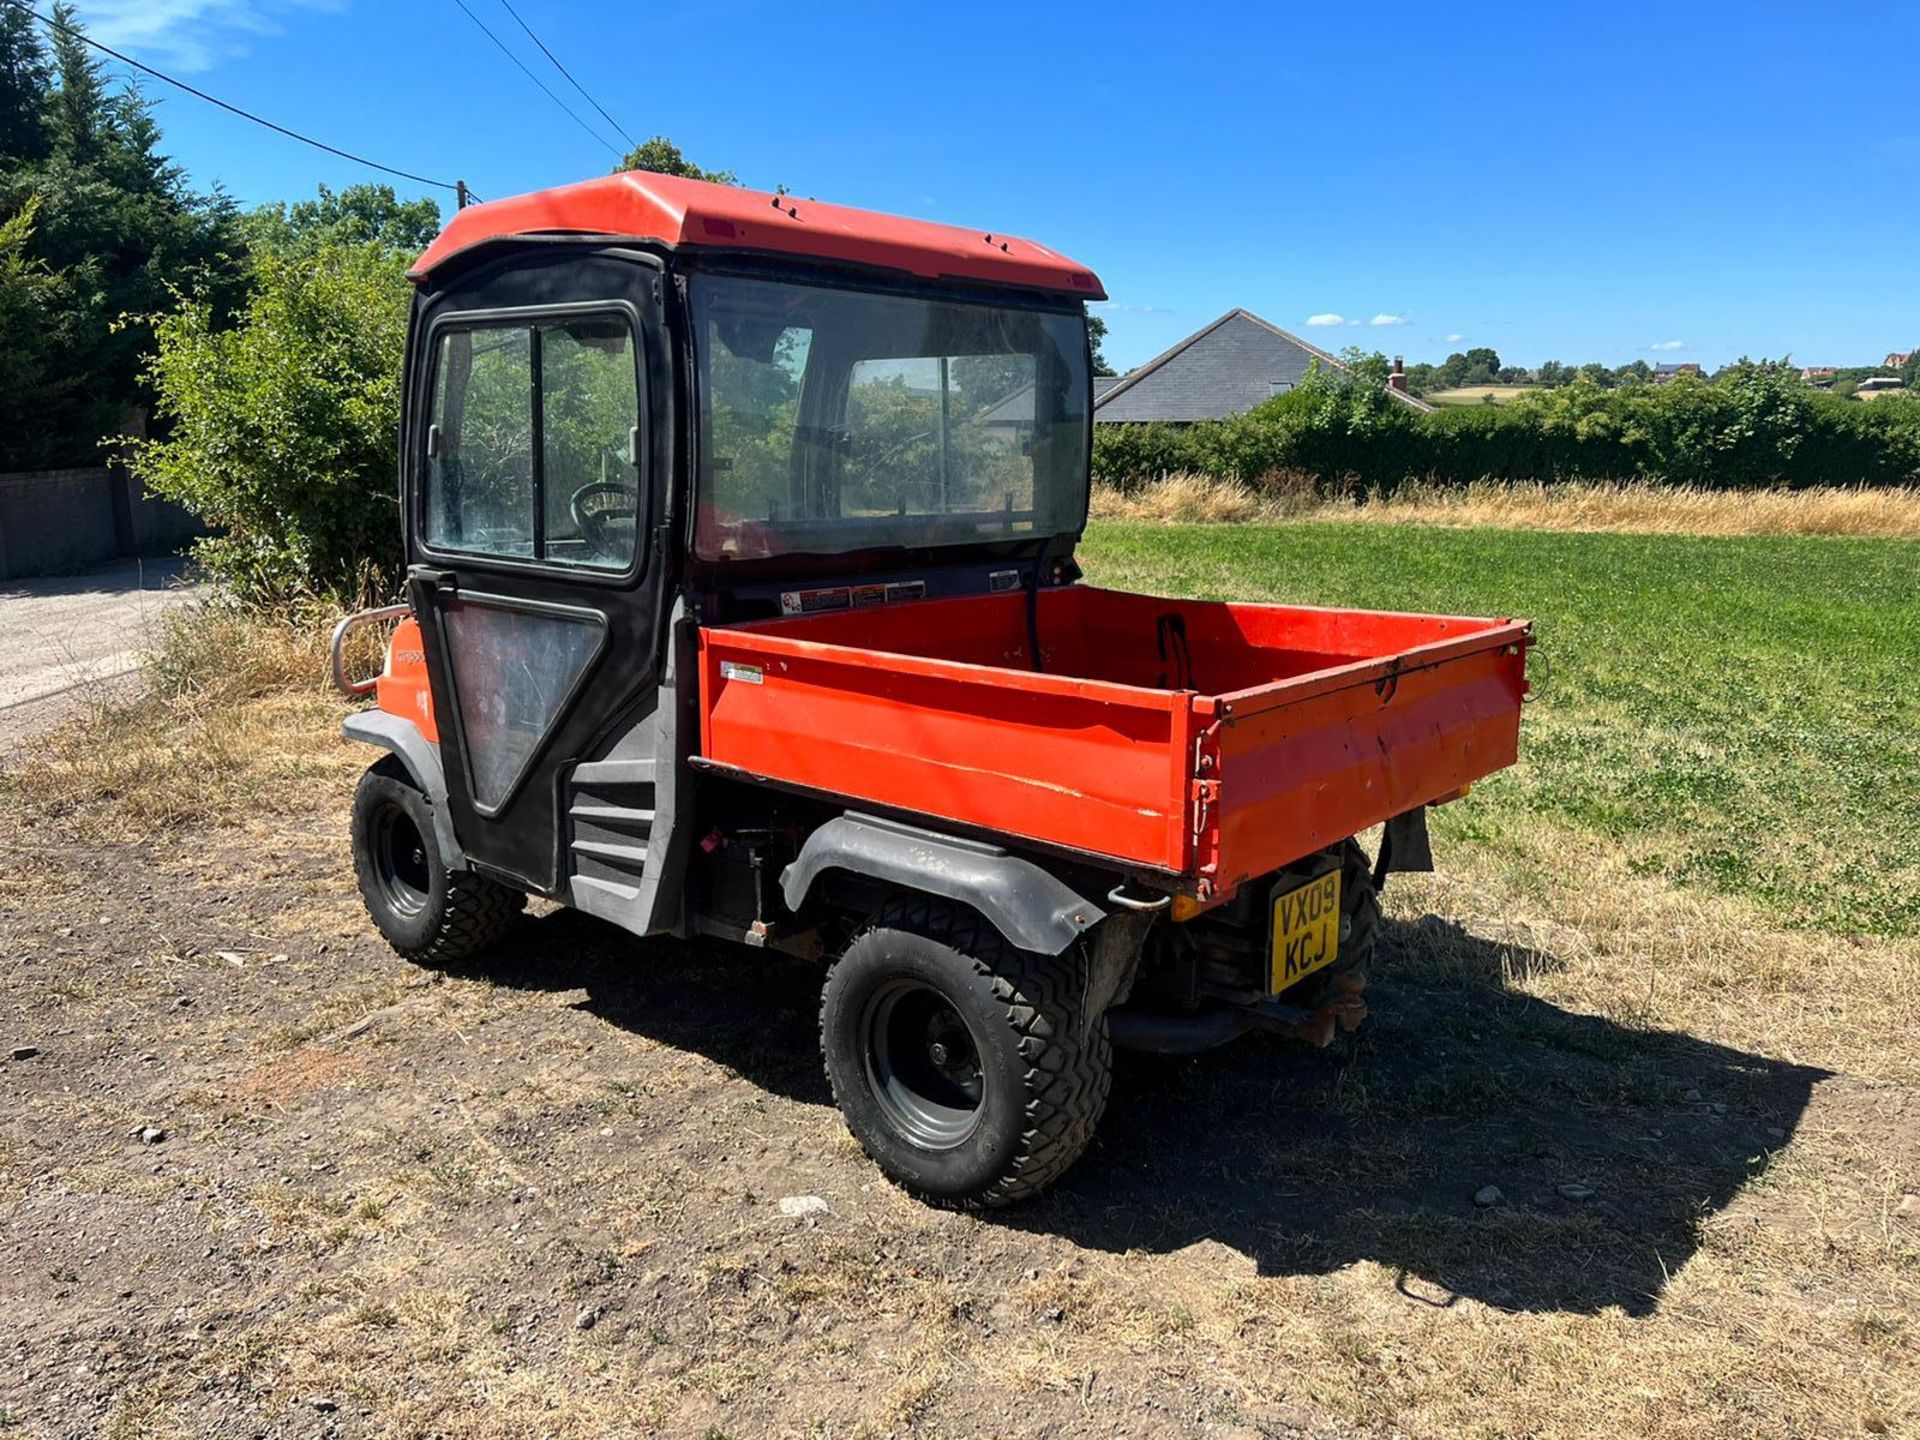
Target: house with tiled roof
(1229,367)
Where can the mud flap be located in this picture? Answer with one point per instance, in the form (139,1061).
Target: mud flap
(1404,847)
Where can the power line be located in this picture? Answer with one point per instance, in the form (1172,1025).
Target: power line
(533,77)
(82,36)
(632,144)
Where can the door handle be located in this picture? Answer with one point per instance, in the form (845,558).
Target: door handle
(441,582)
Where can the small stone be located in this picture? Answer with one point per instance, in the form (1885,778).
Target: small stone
(606,1132)
(184,1002)
(1053,1314)
(1774,1132)
(1573,1190)
(1487,1196)
(152,1134)
(25,1052)
(796,1206)
(1692,1097)
(1908,1208)
(325,1404)
(585,1320)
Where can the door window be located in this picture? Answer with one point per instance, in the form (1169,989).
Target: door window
(534,447)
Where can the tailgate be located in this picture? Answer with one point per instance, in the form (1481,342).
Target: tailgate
(1286,769)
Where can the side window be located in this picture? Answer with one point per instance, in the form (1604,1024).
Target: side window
(534,449)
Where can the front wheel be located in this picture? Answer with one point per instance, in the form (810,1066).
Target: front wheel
(428,913)
(961,1063)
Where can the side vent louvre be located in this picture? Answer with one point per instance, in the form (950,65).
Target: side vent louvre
(610,824)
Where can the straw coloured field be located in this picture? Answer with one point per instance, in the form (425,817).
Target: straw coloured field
(1630,1145)
(1627,508)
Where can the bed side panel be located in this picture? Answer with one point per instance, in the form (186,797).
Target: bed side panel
(1065,762)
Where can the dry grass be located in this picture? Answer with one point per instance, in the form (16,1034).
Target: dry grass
(237,717)
(1633,507)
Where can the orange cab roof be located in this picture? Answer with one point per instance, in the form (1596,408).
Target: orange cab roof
(674,211)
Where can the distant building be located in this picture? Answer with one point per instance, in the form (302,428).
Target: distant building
(1877,385)
(1675,368)
(1898,360)
(1232,365)
(1819,372)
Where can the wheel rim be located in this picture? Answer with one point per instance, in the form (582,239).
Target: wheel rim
(923,1064)
(400,861)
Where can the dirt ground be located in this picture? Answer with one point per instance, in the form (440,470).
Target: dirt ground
(258,1177)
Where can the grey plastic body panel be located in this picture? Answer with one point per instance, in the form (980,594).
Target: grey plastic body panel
(1033,909)
(625,859)
(422,759)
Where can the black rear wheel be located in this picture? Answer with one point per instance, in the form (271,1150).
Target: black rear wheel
(962,1064)
(428,913)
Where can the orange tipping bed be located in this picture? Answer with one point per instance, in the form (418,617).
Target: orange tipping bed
(1208,741)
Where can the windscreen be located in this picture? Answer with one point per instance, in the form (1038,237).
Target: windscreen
(836,420)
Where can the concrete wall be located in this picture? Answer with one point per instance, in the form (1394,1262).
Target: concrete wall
(54,521)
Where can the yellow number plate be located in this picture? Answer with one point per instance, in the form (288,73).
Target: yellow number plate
(1306,930)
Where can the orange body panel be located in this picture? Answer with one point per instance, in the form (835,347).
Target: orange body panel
(402,687)
(1212,741)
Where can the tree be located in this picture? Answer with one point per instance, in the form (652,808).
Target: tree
(1097,337)
(1483,357)
(26,86)
(663,157)
(80,110)
(357,215)
(1553,373)
(115,225)
(1910,372)
(33,302)
(281,431)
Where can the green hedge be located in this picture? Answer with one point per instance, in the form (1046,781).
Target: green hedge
(1756,425)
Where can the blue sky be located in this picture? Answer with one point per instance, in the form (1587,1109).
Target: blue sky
(1669,181)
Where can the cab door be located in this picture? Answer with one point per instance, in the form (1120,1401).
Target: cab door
(537,447)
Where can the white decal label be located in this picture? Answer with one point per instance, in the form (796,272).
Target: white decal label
(746,674)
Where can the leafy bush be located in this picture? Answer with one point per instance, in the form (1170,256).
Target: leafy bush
(1758,424)
(281,431)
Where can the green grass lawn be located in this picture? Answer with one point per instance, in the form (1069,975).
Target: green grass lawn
(1743,715)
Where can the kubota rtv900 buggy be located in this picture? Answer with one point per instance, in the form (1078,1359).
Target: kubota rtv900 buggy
(742,603)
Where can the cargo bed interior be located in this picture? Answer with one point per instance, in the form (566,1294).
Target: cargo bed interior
(1212,647)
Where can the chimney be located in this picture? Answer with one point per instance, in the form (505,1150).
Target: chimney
(1398,379)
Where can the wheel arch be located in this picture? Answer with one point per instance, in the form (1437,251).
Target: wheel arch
(402,738)
(1034,909)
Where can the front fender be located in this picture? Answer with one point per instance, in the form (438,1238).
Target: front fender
(422,759)
(1035,910)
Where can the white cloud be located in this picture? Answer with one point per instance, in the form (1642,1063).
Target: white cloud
(1455,336)
(1328,318)
(1384,319)
(1668,345)
(187,35)
(1118,307)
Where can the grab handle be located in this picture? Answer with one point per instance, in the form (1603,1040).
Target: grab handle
(347,625)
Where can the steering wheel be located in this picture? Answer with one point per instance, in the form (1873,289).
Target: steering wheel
(596,507)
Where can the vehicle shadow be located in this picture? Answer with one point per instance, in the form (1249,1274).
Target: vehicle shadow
(1611,1147)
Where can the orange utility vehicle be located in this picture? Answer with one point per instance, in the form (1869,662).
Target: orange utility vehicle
(742,603)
